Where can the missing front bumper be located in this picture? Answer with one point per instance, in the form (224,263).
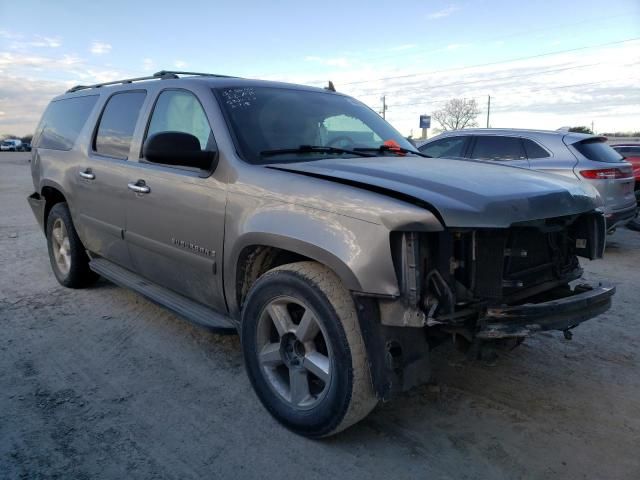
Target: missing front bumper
(584,303)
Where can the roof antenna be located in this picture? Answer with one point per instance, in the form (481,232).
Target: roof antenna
(330,87)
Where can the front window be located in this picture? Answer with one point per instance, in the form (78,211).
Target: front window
(264,119)
(180,111)
(446,147)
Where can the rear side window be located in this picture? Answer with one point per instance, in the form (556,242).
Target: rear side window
(533,149)
(117,123)
(597,149)
(62,122)
(447,147)
(492,147)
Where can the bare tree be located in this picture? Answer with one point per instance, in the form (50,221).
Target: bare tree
(457,113)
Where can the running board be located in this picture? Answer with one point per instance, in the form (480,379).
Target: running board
(188,309)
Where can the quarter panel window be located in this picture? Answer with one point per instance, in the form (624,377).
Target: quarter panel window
(447,147)
(597,150)
(534,150)
(490,147)
(62,122)
(117,124)
(180,111)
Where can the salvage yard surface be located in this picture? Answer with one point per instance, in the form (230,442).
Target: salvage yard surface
(101,383)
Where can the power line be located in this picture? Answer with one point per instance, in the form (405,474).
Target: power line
(531,74)
(557,52)
(494,38)
(438,101)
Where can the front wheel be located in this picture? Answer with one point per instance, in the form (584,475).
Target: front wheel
(304,352)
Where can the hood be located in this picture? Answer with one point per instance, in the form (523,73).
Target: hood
(463,193)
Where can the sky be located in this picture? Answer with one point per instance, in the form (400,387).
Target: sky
(545,64)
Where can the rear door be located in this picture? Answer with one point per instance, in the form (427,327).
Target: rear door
(175,230)
(500,149)
(101,179)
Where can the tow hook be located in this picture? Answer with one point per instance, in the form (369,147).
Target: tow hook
(568,335)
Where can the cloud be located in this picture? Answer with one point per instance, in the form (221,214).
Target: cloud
(456,46)
(6,34)
(23,102)
(29,80)
(148,64)
(341,62)
(45,42)
(180,64)
(100,48)
(444,12)
(20,43)
(14,61)
(546,92)
(400,48)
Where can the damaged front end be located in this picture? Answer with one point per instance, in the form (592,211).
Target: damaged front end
(487,284)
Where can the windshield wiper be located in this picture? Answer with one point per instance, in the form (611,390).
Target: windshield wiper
(389,148)
(314,149)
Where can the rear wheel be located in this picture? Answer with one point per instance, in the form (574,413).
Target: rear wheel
(69,260)
(304,352)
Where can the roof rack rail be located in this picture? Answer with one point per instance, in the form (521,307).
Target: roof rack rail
(161,75)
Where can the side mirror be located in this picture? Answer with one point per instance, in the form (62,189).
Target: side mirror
(178,148)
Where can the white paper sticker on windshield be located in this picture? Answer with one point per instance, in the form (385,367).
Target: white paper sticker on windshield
(239,97)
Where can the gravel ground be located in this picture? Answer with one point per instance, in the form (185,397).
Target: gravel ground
(101,383)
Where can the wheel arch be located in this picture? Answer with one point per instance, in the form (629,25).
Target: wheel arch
(52,194)
(257,253)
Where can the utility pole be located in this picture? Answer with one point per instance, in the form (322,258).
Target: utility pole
(488,108)
(384,106)
(592,130)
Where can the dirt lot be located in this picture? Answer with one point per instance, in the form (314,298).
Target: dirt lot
(101,383)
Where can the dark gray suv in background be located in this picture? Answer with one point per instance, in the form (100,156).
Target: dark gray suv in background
(300,218)
(579,156)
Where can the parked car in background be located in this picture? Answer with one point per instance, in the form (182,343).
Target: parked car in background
(631,153)
(580,156)
(26,147)
(11,145)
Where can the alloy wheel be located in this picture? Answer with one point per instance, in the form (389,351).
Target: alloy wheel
(61,248)
(293,352)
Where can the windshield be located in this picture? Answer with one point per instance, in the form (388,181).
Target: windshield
(263,119)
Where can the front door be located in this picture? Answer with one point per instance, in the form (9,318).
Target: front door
(175,215)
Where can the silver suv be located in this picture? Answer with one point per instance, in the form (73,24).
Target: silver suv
(300,218)
(576,155)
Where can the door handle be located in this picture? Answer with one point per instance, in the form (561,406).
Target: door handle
(87,174)
(139,187)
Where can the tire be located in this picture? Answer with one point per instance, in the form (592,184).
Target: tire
(335,391)
(69,259)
